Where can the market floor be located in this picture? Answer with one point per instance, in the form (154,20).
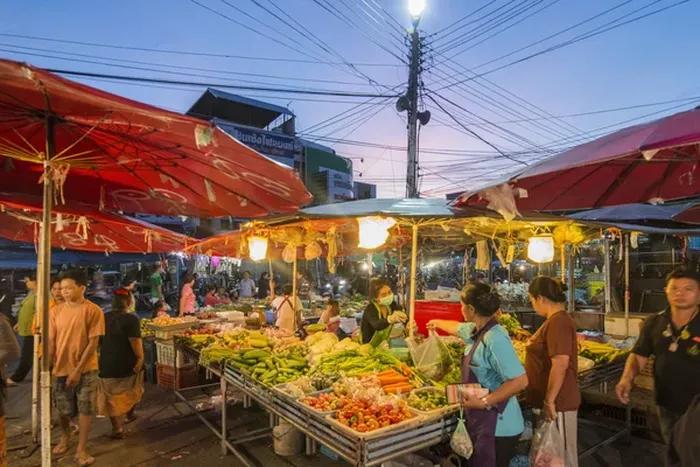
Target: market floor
(166,434)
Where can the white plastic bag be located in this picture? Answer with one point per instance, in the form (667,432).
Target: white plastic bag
(461,442)
(430,357)
(547,448)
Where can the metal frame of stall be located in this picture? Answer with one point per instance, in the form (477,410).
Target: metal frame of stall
(358,450)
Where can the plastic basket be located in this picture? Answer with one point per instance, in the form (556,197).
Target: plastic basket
(166,355)
(186,376)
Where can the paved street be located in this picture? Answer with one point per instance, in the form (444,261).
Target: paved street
(166,434)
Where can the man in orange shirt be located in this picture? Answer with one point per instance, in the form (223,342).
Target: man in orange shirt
(75,327)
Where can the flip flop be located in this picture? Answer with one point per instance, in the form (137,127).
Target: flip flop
(84,461)
(61,449)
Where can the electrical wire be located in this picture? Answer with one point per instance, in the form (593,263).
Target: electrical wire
(569,42)
(120,64)
(491,23)
(219,85)
(510,26)
(190,53)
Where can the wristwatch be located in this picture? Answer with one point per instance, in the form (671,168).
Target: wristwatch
(487,406)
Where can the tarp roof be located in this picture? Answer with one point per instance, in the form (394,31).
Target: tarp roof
(633,212)
(236,109)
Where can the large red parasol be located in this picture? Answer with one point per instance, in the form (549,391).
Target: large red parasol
(127,156)
(654,161)
(72,143)
(79,227)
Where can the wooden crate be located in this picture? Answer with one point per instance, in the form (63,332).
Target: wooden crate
(186,376)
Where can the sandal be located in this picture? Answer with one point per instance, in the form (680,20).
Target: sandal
(61,448)
(118,434)
(84,461)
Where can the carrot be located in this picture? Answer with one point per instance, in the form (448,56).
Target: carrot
(387,373)
(398,388)
(389,380)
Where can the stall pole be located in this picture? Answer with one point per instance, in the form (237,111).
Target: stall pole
(272,274)
(571,285)
(606,275)
(412,290)
(627,285)
(562,258)
(294,286)
(44,273)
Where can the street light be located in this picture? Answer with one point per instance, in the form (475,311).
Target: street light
(415,8)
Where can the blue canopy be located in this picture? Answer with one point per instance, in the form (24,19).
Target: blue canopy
(409,207)
(634,212)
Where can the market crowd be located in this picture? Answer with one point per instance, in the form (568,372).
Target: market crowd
(97,358)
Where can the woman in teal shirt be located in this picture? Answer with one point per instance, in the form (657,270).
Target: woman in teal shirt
(495,365)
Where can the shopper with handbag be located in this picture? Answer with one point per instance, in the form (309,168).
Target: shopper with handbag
(494,421)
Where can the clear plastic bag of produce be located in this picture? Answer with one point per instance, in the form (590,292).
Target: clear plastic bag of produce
(430,357)
(461,442)
(547,448)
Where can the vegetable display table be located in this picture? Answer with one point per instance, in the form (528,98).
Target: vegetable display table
(359,449)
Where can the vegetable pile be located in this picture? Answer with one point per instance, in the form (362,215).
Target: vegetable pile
(364,415)
(427,399)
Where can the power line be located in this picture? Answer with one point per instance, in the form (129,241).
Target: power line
(569,42)
(190,53)
(455,23)
(551,36)
(472,132)
(181,67)
(220,85)
(342,17)
(510,26)
(492,23)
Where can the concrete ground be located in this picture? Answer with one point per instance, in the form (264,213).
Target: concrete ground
(167,434)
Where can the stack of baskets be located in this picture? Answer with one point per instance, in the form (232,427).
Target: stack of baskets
(174,369)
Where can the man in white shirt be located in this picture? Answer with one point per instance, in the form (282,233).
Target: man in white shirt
(246,286)
(287,310)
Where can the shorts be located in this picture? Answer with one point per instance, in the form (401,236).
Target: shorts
(79,399)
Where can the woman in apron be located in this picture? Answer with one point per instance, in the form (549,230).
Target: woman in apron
(494,421)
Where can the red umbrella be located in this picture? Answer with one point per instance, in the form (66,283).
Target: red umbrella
(82,228)
(127,156)
(71,142)
(649,162)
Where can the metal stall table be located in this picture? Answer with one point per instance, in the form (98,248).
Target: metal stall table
(598,379)
(359,449)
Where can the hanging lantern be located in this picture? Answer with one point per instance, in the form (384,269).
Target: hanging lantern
(257,248)
(374,231)
(540,249)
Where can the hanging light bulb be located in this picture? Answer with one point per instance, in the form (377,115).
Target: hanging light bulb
(540,248)
(257,248)
(374,231)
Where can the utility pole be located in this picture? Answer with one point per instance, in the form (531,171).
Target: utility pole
(412,96)
(409,101)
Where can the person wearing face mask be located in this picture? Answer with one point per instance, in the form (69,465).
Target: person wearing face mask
(381,311)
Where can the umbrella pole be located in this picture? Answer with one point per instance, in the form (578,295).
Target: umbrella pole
(294,286)
(627,285)
(412,289)
(44,270)
(269,267)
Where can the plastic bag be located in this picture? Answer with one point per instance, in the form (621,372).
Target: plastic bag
(461,442)
(430,357)
(547,447)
